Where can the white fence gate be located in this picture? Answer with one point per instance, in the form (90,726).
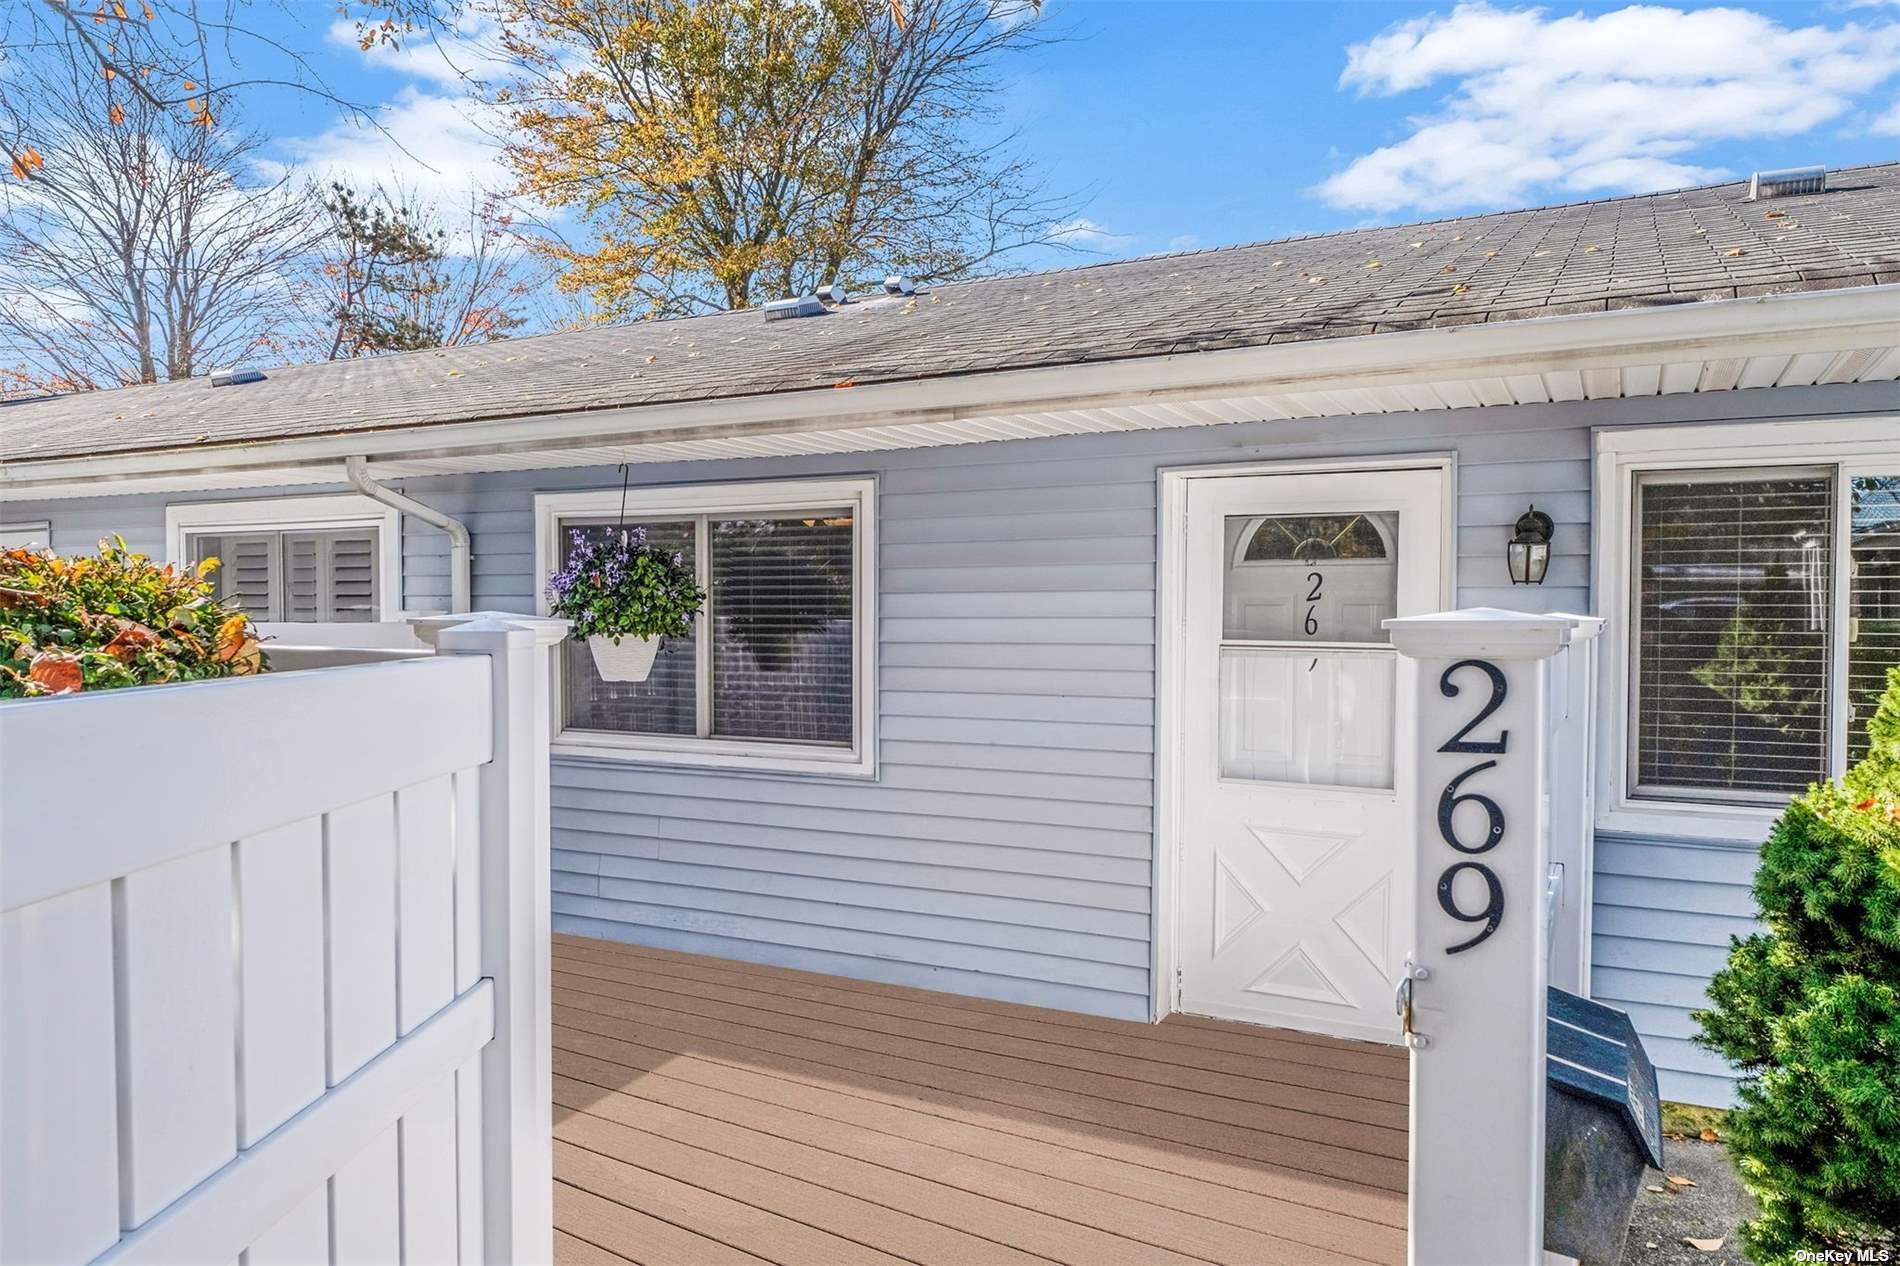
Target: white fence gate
(274,963)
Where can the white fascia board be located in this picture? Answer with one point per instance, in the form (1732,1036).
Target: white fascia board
(1781,324)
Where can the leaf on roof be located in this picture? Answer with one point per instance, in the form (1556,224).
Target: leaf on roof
(1373,263)
(1733,252)
(1591,250)
(1460,288)
(844,382)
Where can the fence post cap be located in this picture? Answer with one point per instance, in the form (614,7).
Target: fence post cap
(1487,631)
(546,629)
(1582,627)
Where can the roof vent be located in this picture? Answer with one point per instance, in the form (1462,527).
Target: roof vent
(235,377)
(835,293)
(895,285)
(786,309)
(1789,180)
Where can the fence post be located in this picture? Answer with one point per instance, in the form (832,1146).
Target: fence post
(1474,991)
(517,1066)
(1572,798)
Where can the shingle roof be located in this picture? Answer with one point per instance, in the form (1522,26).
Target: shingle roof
(1689,246)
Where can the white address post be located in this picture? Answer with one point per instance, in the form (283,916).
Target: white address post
(1474,997)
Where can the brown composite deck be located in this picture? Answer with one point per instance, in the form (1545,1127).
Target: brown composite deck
(710,1112)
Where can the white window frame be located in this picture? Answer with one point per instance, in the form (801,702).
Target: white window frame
(289,514)
(1848,445)
(42,531)
(713,500)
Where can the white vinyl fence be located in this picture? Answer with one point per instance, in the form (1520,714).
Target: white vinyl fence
(273,966)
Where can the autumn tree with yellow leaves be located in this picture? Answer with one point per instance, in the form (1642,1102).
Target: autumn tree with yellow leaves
(722,153)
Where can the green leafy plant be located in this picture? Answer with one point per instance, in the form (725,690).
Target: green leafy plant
(620,586)
(1810,1011)
(114,619)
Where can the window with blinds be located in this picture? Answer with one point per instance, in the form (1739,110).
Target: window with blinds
(773,657)
(666,702)
(1873,610)
(781,613)
(1732,608)
(313,577)
(1755,667)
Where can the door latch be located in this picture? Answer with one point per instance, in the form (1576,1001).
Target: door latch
(1402,1003)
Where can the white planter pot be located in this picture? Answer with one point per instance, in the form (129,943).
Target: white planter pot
(629,659)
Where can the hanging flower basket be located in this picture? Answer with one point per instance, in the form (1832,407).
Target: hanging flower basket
(625,659)
(625,597)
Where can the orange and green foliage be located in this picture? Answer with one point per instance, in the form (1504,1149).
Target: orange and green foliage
(730,152)
(114,619)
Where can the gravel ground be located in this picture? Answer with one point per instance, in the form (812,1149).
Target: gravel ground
(1707,1211)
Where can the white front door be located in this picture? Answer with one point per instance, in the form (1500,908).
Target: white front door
(1294,718)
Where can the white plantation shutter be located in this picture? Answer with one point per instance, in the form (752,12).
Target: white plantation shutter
(782,635)
(351,571)
(1734,610)
(247,574)
(301,577)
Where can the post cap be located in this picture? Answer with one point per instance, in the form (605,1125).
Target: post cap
(546,629)
(1582,627)
(1486,631)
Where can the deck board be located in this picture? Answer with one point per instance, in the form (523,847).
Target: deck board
(710,1111)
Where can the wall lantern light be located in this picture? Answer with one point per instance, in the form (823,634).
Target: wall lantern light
(1530,548)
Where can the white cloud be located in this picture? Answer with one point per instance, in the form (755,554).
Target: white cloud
(1582,104)
(434,145)
(1087,235)
(453,58)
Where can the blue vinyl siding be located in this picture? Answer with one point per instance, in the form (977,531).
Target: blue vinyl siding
(1006,847)
(1664,911)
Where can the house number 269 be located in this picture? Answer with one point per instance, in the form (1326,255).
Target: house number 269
(1493,912)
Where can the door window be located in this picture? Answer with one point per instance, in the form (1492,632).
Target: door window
(1306,671)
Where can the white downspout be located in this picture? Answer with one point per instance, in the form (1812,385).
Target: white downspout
(460,549)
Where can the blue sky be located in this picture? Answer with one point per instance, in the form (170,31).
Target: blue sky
(1181,124)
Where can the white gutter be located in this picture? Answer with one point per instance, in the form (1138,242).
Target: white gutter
(1859,317)
(460,549)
